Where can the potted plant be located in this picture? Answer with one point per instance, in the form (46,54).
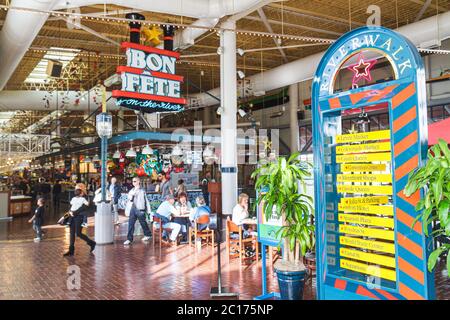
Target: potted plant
(284,183)
(434,179)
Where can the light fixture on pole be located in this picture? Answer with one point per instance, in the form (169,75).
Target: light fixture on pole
(241,74)
(219,110)
(104,224)
(240,51)
(242,113)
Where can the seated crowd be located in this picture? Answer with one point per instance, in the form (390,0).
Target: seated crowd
(175,216)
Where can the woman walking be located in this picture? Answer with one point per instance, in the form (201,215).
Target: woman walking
(78,209)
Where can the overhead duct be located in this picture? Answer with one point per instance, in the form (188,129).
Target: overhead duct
(186,8)
(14,41)
(436,27)
(18,32)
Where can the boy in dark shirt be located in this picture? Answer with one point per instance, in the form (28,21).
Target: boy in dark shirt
(38,219)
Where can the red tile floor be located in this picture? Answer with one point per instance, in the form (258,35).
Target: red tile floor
(31,270)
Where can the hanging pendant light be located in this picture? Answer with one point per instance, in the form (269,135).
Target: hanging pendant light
(131,153)
(87,160)
(177,151)
(116,154)
(96,158)
(147,150)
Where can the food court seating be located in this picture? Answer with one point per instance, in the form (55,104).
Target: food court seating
(157,230)
(236,243)
(206,234)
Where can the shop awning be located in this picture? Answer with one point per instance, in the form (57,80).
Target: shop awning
(440,129)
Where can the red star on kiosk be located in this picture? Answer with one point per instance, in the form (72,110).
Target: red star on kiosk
(361,69)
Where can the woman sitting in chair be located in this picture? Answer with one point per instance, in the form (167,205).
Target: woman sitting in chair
(240,213)
(201,210)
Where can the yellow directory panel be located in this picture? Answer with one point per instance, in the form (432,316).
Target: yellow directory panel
(369,209)
(364,157)
(368,257)
(368,269)
(366,147)
(365,200)
(363,167)
(370,221)
(367,244)
(343,188)
(364,136)
(367,232)
(364,178)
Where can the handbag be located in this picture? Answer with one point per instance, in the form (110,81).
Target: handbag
(65,219)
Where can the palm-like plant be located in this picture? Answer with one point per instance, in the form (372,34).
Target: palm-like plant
(434,179)
(283,179)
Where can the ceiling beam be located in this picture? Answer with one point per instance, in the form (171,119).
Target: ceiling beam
(298,26)
(91,31)
(432,5)
(269,28)
(313,14)
(424,8)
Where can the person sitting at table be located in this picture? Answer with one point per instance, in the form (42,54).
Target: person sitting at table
(166,211)
(184,208)
(240,213)
(201,210)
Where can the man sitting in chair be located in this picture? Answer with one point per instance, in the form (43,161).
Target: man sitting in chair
(165,212)
(201,210)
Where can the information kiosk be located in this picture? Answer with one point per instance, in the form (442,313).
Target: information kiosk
(367,247)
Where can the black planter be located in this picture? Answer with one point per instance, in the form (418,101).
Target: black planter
(291,284)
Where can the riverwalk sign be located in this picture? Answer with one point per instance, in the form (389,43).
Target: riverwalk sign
(367,246)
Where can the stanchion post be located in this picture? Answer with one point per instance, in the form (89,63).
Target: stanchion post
(220,291)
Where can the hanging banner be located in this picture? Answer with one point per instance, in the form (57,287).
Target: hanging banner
(366,245)
(149,82)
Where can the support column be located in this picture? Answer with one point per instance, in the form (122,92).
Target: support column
(206,116)
(293,119)
(228,85)
(120,123)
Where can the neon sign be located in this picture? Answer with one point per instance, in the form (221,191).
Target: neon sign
(149,82)
(361,69)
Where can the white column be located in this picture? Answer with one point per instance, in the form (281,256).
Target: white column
(228,85)
(293,119)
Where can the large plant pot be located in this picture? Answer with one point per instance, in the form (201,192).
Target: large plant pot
(291,284)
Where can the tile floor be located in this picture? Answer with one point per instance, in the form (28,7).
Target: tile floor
(31,270)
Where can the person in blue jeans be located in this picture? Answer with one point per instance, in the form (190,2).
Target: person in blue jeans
(139,207)
(38,219)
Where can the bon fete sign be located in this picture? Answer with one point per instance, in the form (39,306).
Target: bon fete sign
(149,82)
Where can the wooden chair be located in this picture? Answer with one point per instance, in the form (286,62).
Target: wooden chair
(239,245)
(157,230)
(205,234)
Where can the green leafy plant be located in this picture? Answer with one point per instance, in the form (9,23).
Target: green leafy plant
(282,181)
(434,179)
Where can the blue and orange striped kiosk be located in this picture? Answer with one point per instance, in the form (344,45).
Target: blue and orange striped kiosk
(367,246)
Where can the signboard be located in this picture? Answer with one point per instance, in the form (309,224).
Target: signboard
(268,228)
(149,82)
(366,245)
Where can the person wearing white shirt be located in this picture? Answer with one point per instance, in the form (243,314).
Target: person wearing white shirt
(183,207)
(240,213)
(165,212)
